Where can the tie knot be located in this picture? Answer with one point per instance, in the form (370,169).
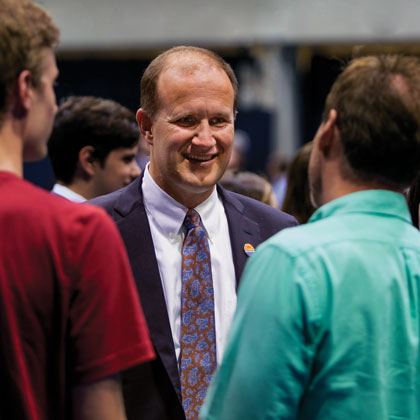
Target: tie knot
(192,219)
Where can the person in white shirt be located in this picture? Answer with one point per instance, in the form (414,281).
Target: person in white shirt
(93,147)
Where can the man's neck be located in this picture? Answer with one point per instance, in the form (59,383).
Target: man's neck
(335,185)
(11,150)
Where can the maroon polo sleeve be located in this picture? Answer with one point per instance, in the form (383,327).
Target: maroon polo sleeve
(107,329)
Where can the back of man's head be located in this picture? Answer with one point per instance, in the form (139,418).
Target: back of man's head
(25,30)
(377,99)
(89,121)
(189,58)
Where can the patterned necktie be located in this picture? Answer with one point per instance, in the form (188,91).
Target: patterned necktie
(198,336)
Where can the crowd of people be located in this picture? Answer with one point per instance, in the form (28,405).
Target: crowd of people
(181,291)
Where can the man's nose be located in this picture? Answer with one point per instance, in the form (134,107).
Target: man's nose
(204,135)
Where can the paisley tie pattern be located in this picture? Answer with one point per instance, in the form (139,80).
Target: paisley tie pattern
(198,336)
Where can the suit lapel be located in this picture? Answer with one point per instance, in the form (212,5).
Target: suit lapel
(135,230)
(242,230)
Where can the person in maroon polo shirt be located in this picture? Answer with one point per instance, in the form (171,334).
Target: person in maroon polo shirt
(70,318)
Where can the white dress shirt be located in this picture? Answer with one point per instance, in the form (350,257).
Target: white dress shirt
(67,193)
(166,217)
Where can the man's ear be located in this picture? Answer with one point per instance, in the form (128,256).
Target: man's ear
(86,160)
(22,94)
(145,124)
(329,134)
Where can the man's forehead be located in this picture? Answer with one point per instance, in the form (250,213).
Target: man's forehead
(184,68)
(205,73)
(180,85)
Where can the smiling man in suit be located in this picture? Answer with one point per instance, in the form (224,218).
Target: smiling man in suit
(187,239)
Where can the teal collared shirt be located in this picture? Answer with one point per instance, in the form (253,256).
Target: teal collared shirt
(328,319)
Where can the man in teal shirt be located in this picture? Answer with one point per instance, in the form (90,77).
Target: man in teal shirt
(328,318)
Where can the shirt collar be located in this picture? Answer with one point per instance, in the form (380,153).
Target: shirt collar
(169,214)
(68,193)
(384,202)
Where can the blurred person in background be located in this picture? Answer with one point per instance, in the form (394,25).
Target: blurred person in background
(277,173)
(241,145)
(327,324)
(251,185)
(187,115)
(143,154)
(93,147)
(297,200)
(70,316)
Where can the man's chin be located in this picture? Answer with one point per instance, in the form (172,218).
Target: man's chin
(199,177)
(200,188)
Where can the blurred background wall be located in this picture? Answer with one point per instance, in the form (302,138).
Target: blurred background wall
(286,54)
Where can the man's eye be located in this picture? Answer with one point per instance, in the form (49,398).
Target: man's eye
(185,121)
(218,121)
(128,159)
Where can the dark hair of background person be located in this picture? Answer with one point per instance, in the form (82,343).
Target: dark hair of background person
(377,99)
(149,82)
(413,200)
(22,41)
(297,201)
(249,184)
(89,121)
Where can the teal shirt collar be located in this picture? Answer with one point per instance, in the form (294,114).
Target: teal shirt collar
(385,202)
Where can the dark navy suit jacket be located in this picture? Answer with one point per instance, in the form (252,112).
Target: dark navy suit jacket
(152,390)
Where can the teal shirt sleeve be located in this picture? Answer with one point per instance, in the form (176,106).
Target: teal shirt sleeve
(267,362)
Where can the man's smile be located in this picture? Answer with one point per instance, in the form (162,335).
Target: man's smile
(199,158)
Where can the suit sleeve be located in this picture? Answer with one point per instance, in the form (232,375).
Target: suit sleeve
(108,332)
(268,359)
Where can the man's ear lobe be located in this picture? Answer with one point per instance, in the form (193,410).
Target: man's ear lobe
(145,124)
(86,160)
